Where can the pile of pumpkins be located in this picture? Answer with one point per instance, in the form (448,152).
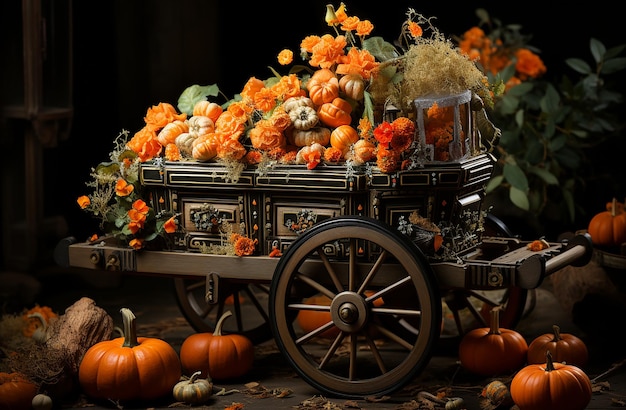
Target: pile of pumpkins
(548,371)
(131,368)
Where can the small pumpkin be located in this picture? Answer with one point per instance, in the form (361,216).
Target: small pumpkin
(223,356)
(335,113)
(309,320)
(311,155)
(496,395)
(353,86)
(16,391)
(564,347)
(209,109)
(362,151)
(551,386)
(608,228)
(204,148)
(323,86)
(303,138)
(42,402)
(303,117)
(343,137)
(172,130)
(490,351)
(295,102)
(129,367)
(193,390)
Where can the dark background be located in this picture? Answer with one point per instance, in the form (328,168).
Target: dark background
(128,55)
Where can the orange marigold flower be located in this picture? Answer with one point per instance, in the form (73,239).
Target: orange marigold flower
(229,125)
(145,144)
(383,133)
(83,201)
(158,116)
(252,86)
(233,237)
(276,153)
(401,142)
(172,153)
(307,44)
(93,237)
(328,51)
(360,62)
(280,120)
(312,158)
(364,127)
(332,154)
(265,137)
(170,225)
(140,206)
(364,28)
(265,99)
(231,149)
(135,226)
(388,161)
(529,64)
(136,243)
(415,29)
(253,157)
(350,23)
(245,246)
(289,157)
(403,126)
(285,57)
(123,188)
(240,110)
(288,86)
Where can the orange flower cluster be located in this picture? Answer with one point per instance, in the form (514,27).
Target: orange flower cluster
(394,140)
(439,128)
(495,56)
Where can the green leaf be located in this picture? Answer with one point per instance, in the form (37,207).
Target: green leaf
(550,101)
(547,176)
(493,183)
(597,50)
(568,157)
(515,176)
(535,152)
(368,109)
(194,93)
(379,48)
(519,198)
(613,65)
(557,142)
(579,65)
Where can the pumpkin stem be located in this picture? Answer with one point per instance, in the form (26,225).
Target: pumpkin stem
(549,362)
(194,376)
(557,333)
(494,323)
(614,207)
(130,328)
(218,326)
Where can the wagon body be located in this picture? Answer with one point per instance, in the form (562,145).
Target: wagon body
(390,251)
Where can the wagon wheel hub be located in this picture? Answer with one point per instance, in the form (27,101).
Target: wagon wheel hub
(349,311)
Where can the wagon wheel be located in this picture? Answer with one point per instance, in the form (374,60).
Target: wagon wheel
(367,271)
(247,302)
(467,309)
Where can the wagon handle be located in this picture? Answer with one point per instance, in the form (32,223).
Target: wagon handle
(578,253)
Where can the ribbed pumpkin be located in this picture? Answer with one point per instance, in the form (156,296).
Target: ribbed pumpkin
(353,86)
(219,355)
(323,86)
(16,392)
(171,131)
(551,386)
(564,347)
(129,367)
(490,351)
(208,109)
(193,390)
(608,228)
(343,137)
(335,113)
(303,138)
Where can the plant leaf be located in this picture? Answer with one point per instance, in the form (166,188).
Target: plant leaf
(519,198)
(515,176)
(194,93)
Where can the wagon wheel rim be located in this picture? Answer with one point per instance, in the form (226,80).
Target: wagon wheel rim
(365,357)
(247,302)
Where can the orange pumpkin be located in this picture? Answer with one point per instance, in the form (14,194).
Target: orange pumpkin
(16,392)
(323,86)
(353,86)
(490,351)
(216,355)
(564,347)
(304,138)
(129,367)
(608,228)
(208,109)
(551,386)
(343,137)
(335,113)
(309,320)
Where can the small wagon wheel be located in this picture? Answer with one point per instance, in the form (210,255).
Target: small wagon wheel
(368,272)
(248,302)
